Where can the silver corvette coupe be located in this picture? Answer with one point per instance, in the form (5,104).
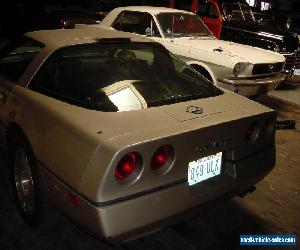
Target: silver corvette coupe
(121,135)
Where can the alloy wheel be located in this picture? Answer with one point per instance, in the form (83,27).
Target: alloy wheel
(24,182)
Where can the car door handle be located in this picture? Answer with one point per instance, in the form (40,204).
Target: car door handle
(2,97)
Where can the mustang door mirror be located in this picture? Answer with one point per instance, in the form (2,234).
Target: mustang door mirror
(148,31)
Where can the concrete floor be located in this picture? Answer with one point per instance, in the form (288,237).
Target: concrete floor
(289,92)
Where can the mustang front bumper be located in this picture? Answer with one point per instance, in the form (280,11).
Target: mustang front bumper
(252,86)
(151,210)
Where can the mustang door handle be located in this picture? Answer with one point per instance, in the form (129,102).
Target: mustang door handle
(2,97)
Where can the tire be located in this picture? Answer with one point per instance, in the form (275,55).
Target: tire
(25,181)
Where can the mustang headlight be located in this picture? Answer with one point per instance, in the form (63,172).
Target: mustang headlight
(238,68)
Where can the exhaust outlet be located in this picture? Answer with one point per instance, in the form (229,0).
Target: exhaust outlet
(249,190)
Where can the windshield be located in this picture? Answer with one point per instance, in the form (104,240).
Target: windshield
(121,76)
(182,25)
(238,11)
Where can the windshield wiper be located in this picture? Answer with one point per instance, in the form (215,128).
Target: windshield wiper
(174,99)
(199,34)
(192,97)
(167,100)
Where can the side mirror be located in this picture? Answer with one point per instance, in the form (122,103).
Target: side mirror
(260,20)
(229,18)
(148,31)
(288,23)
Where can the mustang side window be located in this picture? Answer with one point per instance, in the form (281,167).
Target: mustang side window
(136,22)
(18,57)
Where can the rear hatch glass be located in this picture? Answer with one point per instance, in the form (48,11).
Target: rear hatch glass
(120,76)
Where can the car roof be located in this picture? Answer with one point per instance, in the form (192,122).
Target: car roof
(232,1)
(151,9)
(64,37)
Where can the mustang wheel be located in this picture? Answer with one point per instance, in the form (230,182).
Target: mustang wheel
(25,181)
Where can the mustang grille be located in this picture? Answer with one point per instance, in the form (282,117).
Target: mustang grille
(266,68)
(292,60)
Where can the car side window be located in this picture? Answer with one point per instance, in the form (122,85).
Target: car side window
(183,5)
(213,11)
(136,22)
(202,9)
(20,54)
(58,77)
(207,10)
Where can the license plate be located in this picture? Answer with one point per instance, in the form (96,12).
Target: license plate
(204,168)
(297,72)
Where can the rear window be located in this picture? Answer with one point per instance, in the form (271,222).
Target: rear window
(120,76)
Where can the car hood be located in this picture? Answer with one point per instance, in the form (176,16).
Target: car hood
(268,31)
(257,27)
(213,48)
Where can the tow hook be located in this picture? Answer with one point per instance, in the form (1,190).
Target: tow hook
(250,190)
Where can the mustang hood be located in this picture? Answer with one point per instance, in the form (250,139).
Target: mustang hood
(212,48)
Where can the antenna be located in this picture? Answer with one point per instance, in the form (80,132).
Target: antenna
(173,27)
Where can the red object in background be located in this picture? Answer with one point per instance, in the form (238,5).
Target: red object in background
(171,3)
(214,24)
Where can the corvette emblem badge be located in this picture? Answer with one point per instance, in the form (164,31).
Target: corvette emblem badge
(194,110)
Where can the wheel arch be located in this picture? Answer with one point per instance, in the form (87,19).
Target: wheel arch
(204,70)
(12,130)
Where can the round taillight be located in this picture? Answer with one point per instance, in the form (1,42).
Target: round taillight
(162,157)
(264,128)
(251,133)
(267,127)
(126,165)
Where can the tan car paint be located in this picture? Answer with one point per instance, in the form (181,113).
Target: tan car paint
(78,150)
(65,127)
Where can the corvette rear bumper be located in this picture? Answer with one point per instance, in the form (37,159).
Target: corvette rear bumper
(254,86)
(150,211)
